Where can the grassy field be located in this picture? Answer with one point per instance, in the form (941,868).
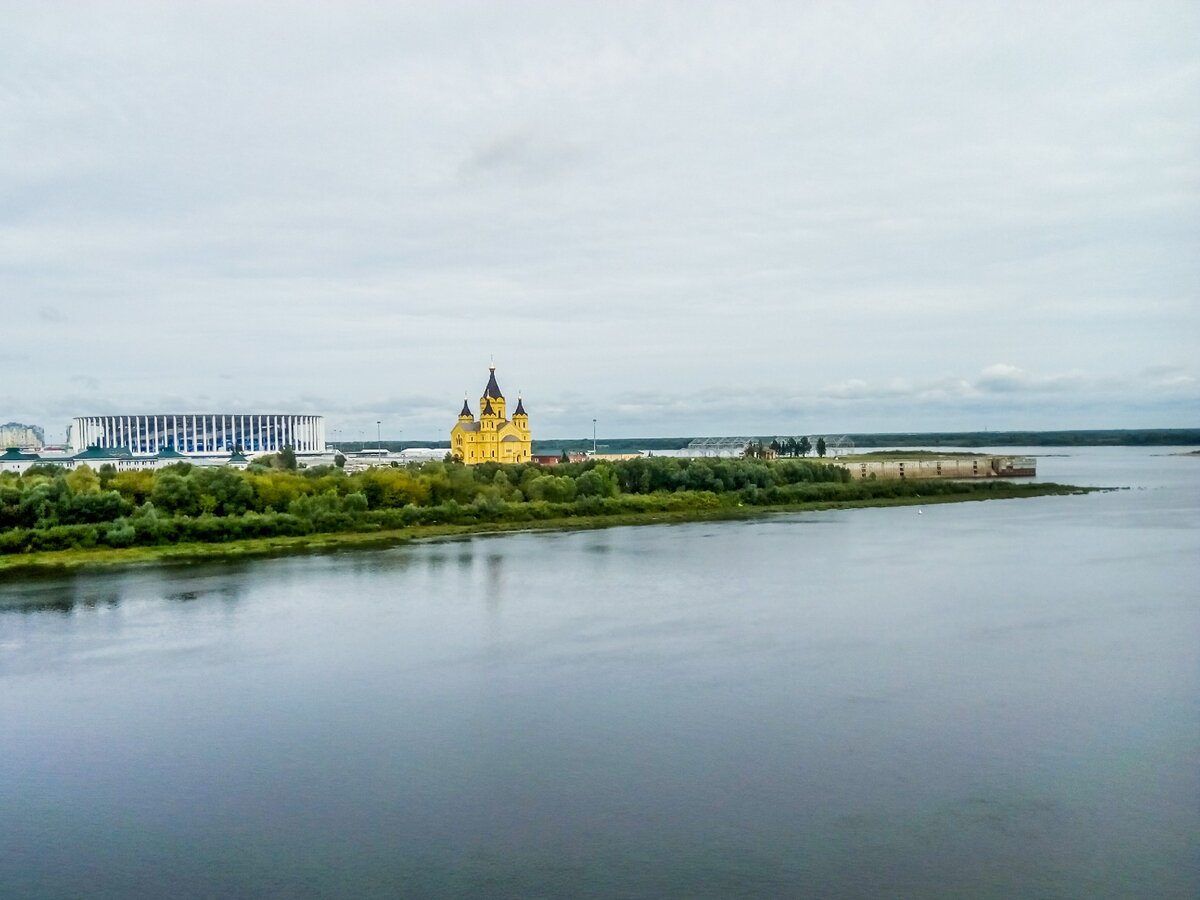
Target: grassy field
(323,543)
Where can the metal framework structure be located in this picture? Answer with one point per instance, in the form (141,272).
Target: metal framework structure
(838,446)
(718,446)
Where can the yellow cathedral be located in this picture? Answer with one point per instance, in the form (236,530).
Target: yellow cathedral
(494,438)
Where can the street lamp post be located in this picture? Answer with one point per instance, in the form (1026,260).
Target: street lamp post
(378,436)
(593,437)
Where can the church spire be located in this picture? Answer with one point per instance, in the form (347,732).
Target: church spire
(492,390)
(466,411)
(520,411)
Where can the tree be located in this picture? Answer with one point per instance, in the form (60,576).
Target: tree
(135,486)
(776,447)
(176,494)
(804,446)
(339,461)
(83,481)
(230,492)
(820,446)
(564,458)
(597,482)
(287,458)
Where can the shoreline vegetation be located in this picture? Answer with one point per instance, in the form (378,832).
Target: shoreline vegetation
(55,520)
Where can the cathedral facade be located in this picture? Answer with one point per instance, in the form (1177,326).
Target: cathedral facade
(494,437)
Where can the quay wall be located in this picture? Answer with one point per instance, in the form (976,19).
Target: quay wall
(947,467)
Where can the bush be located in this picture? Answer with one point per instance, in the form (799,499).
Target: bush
(120,534)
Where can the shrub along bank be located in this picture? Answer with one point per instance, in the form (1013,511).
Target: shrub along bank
(47,509)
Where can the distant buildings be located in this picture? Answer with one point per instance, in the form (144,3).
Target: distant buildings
(25,437)
(494,438)
(14,460)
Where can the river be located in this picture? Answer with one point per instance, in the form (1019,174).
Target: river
(997,699)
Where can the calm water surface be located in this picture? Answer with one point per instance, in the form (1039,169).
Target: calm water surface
(979,700)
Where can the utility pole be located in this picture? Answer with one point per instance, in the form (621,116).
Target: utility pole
(593,437)
(378,435)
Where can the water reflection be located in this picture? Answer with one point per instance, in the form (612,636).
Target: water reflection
(998,699)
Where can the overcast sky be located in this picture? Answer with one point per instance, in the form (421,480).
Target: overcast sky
(691,218)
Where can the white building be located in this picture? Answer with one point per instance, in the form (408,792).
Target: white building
(199,434)
(17,434)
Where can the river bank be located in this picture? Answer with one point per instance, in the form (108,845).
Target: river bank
(102,557)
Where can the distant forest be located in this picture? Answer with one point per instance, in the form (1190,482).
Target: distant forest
(1112,437)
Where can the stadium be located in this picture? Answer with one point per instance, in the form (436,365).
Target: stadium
(199,434)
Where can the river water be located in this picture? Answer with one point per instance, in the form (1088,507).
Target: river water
(994,699)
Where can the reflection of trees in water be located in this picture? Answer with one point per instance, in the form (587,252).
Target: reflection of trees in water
(91,591)
(62,599)
(42,604)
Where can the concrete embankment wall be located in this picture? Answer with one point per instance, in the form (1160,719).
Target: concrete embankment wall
(949,467)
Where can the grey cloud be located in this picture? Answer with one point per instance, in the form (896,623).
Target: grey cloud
(1004,378)
(670,216)
(522,157)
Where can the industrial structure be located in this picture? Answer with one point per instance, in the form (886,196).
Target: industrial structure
(199,434)
(494,438)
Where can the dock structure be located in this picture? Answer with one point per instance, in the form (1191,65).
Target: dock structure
(941,467)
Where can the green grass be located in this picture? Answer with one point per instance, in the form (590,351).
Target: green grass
(321,543)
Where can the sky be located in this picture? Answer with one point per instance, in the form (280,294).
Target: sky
(674,218)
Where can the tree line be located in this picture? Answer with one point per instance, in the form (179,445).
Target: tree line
(49,509)
(788,447)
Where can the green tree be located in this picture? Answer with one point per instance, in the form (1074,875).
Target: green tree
(554,488)
(820,446)
(804,446)
(339,461)
(101,506)
(230,491)
(597,482)
(135,486)
(120,534)
(83,481)
(176,494)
